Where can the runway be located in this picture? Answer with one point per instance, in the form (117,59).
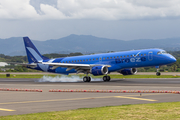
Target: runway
(16,102)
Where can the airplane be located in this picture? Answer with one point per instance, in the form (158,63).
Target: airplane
(125,62)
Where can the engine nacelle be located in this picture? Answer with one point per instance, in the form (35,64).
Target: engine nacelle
(130,71)
(99,70)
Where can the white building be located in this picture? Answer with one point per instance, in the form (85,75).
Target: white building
(2,64)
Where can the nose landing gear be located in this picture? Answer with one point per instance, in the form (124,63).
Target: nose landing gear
(158,71)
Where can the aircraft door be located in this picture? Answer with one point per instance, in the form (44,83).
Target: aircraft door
(150,56)
(100,59)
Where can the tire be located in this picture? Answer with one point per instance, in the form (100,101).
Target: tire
(108,78)
(85,79)
(105,78)
(89,79)
(158,73)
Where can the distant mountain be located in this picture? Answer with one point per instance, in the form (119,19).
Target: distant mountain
(86,43)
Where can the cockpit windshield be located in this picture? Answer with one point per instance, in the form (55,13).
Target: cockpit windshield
(162,52)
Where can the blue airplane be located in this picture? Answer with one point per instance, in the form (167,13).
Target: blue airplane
(125,62)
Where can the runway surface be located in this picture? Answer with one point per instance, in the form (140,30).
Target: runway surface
(46,73)
(16,102)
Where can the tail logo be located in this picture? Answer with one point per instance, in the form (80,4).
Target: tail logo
(35,55)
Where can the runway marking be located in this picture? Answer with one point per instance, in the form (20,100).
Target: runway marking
(144,94)
(56,100)
(135,98)
(9,110)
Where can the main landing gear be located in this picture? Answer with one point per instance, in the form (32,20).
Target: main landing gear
(88,79)
(106,78)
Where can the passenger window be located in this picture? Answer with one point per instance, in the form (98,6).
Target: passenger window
(127,55)
(99,58)
(72,61)
(141,54)
(121,56)
(107,57)
(77,60)
(66,61)
(114,57)
(89,59)
(96,58)
(144,54)
(104,58)
(93,58)
(83,60)
(80,60)
(117,57)
(124,56)
(110,57)
(131,55)
(86,59)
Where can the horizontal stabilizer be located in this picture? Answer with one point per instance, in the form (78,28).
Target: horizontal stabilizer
(32,65)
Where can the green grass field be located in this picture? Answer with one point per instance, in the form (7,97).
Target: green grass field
(81,76)
(155,111)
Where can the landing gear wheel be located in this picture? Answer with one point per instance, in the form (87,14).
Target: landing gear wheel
(106,78)
(158,73)
(86,79)
(89,79)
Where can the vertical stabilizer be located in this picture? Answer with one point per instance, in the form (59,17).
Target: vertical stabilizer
(33,54)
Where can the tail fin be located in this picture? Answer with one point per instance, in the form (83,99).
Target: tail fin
(33,54)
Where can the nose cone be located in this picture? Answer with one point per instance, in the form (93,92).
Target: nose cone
(172,59)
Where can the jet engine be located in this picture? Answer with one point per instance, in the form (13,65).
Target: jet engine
(99,70)
(129,71)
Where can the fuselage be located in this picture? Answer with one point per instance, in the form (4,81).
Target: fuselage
(117,60)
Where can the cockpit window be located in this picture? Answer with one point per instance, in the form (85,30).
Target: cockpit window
(159,52)
(162,52)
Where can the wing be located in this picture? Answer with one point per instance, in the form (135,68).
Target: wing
(78,67)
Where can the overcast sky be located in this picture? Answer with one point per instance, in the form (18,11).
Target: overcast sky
(115,19)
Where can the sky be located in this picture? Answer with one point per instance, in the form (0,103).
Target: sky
(114,19)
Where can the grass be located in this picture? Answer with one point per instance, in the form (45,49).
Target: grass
(115,76)
(155,111)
